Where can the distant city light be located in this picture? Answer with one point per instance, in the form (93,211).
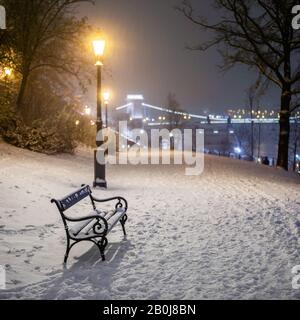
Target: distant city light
(77,122)
(216,131)
(87,110)
(238,150)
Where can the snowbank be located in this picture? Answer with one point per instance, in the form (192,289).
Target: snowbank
(231,233)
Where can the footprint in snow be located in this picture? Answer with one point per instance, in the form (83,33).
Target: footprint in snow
(15,282)
(38,247)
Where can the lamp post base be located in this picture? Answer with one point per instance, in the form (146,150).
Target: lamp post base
(100,184)
(100,176)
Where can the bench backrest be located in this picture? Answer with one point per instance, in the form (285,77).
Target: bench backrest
(73,198)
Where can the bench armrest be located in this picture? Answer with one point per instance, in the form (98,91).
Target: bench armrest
(122,203)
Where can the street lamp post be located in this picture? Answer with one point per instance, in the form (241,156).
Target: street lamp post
(100,170)
(252,130)
(259,139)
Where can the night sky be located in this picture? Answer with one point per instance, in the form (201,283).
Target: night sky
(147,54)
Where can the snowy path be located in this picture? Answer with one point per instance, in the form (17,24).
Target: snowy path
(231,233)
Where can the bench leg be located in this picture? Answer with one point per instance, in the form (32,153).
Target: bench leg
(123,222)
(102,244)
(66,256)
(67,251)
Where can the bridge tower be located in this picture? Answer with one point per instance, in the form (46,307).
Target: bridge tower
(135,109)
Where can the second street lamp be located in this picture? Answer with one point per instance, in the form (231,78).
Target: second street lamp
(106,96)
(100,174)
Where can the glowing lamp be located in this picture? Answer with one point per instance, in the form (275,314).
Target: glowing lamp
(106,96)
(99,47)
(7,71)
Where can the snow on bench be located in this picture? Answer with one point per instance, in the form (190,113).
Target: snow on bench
(95,226)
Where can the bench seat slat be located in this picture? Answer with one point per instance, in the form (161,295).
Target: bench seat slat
(84,229)
(79,226)
(115,218)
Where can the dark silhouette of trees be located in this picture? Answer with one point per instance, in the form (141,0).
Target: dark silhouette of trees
(44,38)
(259,34)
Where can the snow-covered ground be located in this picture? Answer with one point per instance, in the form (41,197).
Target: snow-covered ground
(232,232)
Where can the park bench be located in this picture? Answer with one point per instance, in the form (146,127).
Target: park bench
(95,226)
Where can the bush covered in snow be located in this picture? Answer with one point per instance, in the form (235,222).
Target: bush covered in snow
(56,134)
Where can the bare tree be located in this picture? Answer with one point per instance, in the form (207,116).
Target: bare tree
(258,33)
(44,35)
(254,93)
(176,114)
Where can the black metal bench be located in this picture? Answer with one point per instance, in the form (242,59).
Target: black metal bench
(93,227)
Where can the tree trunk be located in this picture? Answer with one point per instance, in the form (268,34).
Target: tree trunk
(295,155)
(22,90)
(284,131)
